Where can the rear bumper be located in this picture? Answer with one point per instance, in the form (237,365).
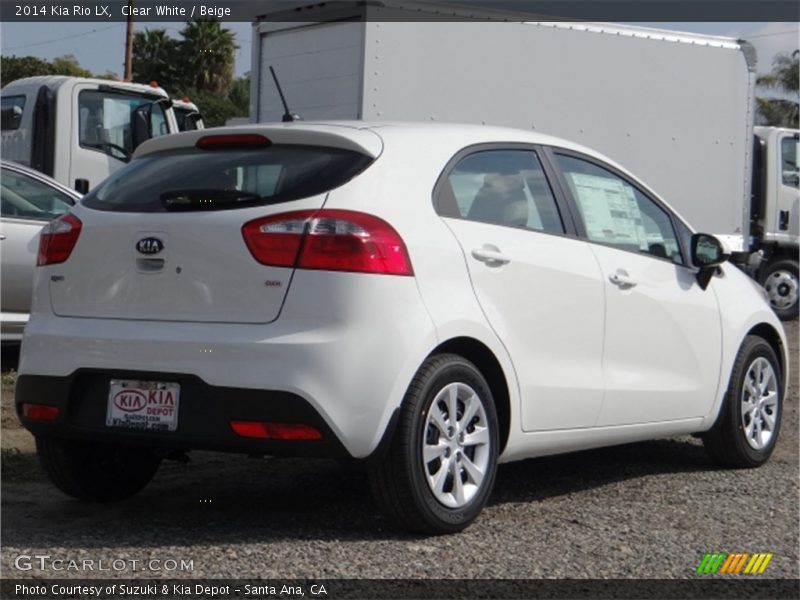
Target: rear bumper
(204,414)
(12,326)
(346,344)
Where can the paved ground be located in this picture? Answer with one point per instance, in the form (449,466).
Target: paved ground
(645,510)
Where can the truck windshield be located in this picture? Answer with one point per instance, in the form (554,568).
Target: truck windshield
(105,121)
(207,180)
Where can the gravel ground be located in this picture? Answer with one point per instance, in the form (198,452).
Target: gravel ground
(644,510)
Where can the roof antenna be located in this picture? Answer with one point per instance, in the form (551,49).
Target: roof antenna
(288,116)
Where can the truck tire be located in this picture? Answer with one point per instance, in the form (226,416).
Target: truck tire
(96,472)
(780,280)
(746,430)
(440,466)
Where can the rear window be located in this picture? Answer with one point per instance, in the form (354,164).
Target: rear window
(225,179)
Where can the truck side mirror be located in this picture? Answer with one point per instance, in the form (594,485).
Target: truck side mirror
(141,130)
(707,253)
(82,186)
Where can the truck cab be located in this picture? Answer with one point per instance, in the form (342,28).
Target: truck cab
(776,214)
(187,115)
(79,130)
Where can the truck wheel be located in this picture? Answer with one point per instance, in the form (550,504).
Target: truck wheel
(441,464)
(96,472)
(750,419)
(781,282)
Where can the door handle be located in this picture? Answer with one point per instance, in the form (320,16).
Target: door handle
(491,256)
(622,280)
(2,237)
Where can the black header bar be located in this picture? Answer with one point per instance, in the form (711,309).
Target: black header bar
(400,10)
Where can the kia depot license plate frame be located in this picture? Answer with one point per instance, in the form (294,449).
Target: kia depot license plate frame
(144,405)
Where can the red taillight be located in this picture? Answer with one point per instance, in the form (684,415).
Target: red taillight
(332,240)
(39,412)
(275,431)
(57,240)
(232,142)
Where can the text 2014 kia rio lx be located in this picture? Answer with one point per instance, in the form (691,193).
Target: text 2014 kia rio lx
(430,299)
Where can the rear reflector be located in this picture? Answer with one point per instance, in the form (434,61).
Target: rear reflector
(39,412)
(275,431)
(232,141)
(57,240)
(331,240)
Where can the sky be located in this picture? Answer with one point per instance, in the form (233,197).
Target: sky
(99,47)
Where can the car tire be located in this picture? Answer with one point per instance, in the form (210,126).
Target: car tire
(780,280)
(746,430)
(96,472)
(438,473)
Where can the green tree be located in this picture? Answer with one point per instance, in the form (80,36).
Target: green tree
(207,56)
(17,67)
(68,65)
(157,57)
(215,108)
(785,79)
(239,95)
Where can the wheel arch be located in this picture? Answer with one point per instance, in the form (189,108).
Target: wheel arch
(484,359)
(773,338)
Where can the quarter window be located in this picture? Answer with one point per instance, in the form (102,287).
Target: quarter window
(503,187)
(615,212)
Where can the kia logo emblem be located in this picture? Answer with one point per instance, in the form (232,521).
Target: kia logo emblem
(149,245)
(130,400)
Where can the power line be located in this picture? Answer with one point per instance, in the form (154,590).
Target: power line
(66,37)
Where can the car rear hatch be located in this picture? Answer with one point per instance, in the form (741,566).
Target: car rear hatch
(162,239)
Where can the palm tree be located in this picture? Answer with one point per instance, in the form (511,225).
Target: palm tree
(155,58)
(208,52)
(784,78)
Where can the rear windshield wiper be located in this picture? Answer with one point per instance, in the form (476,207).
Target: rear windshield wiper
(207,199)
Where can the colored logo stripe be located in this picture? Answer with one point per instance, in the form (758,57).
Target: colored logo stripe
(711,562)
(758,564)
(723,563)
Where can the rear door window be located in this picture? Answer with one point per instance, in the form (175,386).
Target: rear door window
(502,187)
(192,179)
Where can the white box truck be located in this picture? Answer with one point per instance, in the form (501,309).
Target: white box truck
(80,130)
(676,109)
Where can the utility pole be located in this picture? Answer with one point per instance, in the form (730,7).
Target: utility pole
(129,45)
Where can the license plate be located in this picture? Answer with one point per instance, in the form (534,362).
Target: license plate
(151,405)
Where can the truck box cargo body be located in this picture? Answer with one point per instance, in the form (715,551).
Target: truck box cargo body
(602,86)
(675,108)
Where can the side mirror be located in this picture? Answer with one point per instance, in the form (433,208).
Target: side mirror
(141,130)
(707,253)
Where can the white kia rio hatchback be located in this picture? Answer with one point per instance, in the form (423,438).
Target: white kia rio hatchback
(430,300)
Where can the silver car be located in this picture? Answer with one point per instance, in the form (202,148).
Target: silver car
(29,200)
